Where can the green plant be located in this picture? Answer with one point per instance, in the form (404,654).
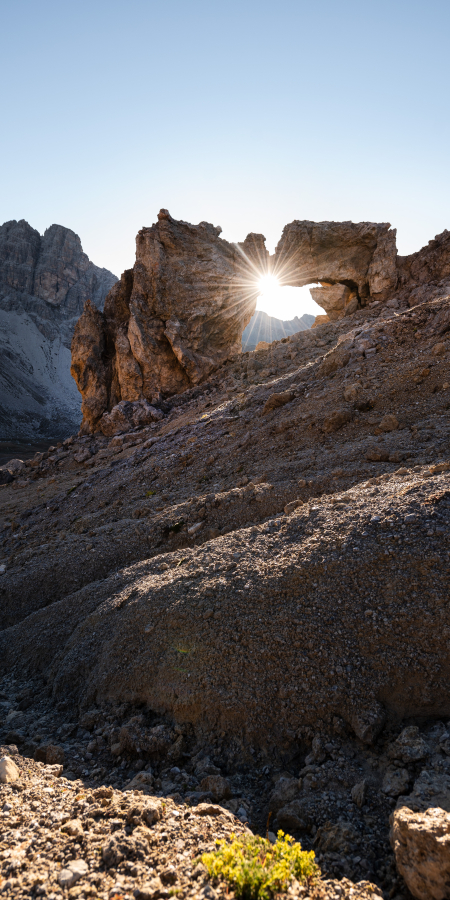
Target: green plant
(150,493)
(258,869)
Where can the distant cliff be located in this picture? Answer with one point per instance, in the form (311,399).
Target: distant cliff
(44,283)
(263,327)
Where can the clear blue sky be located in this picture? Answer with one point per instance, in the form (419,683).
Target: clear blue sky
(247,114)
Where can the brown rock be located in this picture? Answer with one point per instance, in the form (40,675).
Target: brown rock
(170,321)
(286,790)
(54,755)
(291,817)
(395,781)
(359,793)
(337,299)
(352,392)
(389,422)
(377,454)
(339,838)
(337,420)
(74,828)
(336,359)
(339,254)
(128,415)
(409,746)
(8,770)
(218,786)
(277,400)
(421,844)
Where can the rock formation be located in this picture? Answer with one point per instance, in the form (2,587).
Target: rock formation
(246,596)
(181,311)
(44,283)
(354,263)
(170,321)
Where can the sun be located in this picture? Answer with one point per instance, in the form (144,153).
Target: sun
(268,284)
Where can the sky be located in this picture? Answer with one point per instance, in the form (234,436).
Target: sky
(247,114)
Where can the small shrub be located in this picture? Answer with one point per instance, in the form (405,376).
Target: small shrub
(258,869)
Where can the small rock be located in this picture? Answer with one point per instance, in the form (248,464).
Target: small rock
(76,869)
(290,817)
(74,828)
(276,400)
(152,812)
(151,890)
(55,755)
(218,786)
(143,781)
(8,770)
(352,392)
(389,422)
(368,723)
(395,782)
(210,809)
(286,789)
(290,507)
(438,350)
(359,793)
(336,420)
(409,746)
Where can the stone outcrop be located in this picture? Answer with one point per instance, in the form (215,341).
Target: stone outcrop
(181,311)
(171,320)
(421,843)
(354,263)
(44,284)
(426,274)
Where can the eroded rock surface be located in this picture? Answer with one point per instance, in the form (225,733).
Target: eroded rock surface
(44,283)
(360,256)
(421,843)
(171,320)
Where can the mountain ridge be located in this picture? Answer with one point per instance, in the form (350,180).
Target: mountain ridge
(44,283)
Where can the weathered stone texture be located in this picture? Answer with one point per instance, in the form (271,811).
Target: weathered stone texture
(421,843)
(361,256)
(171,320)
(44,284)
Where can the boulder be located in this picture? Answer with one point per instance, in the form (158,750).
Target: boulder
(421,844)
(8,770)
(409,746)
(128,415)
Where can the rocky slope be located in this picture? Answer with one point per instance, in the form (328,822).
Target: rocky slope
(44,283)
(263,327)
(180,313)
(244,603)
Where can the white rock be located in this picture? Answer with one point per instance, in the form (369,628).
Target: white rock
(8,770)
(76,869)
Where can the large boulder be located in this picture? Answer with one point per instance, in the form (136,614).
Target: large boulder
(421,844)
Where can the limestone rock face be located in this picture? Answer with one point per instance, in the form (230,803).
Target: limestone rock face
(425,274)
(44,284)
(421,843)
(361,256)
(172,319)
